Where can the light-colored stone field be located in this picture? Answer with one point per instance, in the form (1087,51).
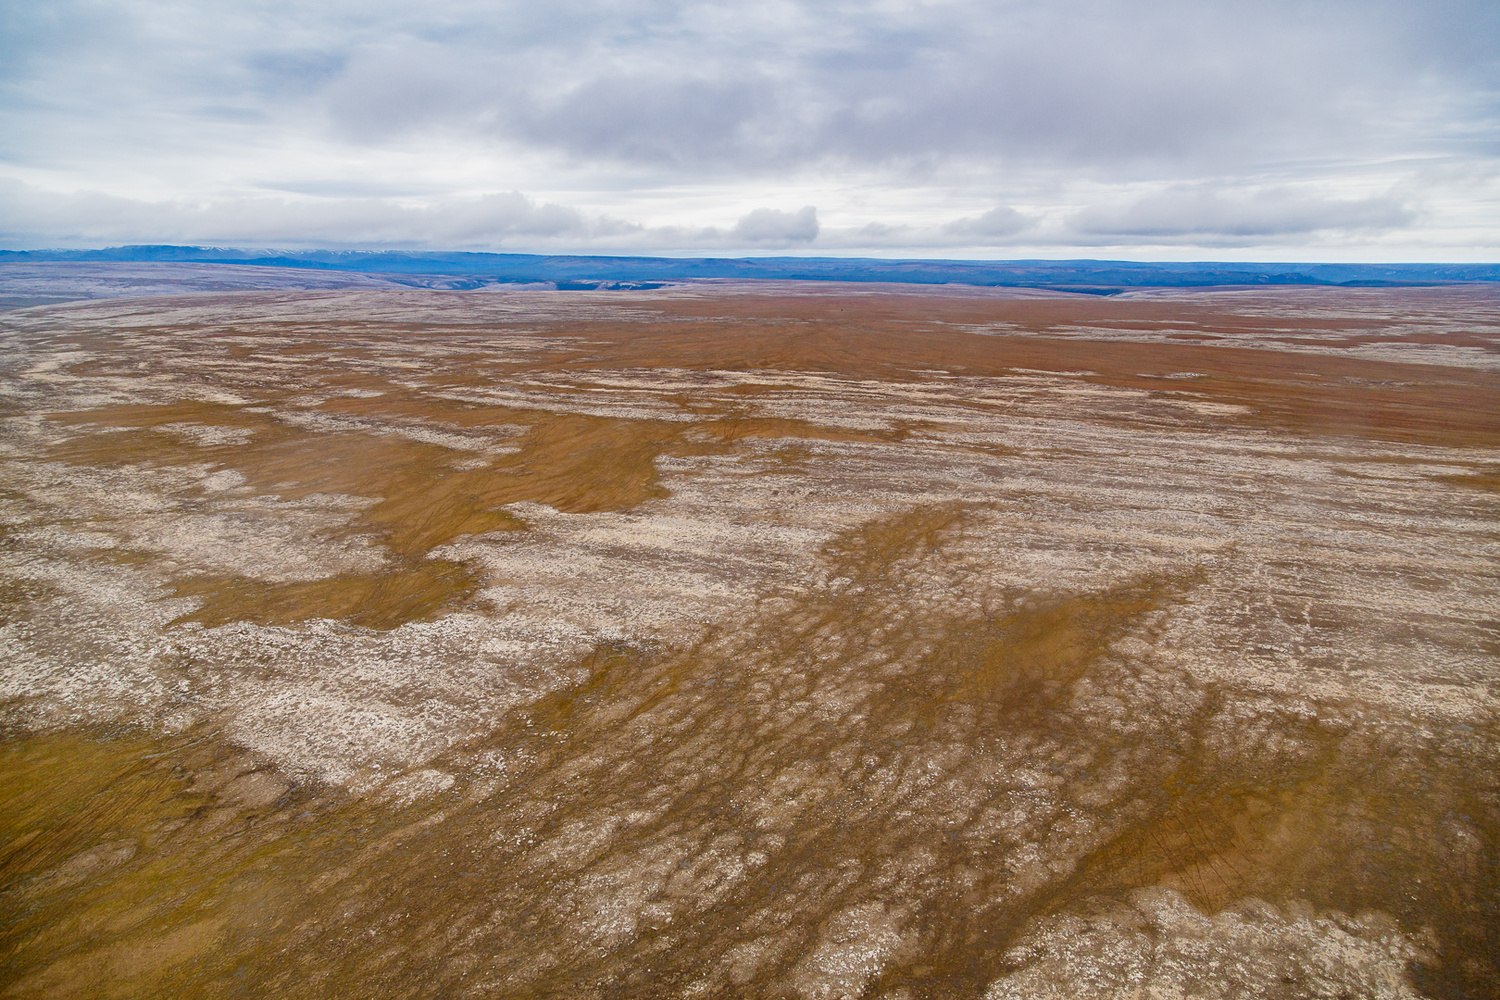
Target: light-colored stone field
(751,640)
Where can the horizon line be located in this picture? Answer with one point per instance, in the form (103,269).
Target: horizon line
(781,255)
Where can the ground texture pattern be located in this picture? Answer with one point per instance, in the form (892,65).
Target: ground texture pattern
(783,641)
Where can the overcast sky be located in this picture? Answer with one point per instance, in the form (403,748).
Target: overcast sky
(1325,130)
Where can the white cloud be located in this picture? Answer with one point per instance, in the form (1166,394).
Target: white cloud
(1000,222)
(769,225)
(1272,212)
(28,215)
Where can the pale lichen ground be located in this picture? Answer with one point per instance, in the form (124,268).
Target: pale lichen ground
(809,678)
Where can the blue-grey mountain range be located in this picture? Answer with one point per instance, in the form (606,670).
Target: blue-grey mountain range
(471,270)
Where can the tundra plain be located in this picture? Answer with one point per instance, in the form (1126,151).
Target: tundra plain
(751,640)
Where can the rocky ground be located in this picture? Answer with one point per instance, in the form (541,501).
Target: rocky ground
(751,640)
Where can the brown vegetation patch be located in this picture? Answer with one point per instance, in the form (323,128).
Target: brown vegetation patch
(1317,394)
(417,591)
(1486,481)
(147,415)
(423,497)
(1336,819)
(73,812)
(1028,658)
(730,430)
(404,403)
(582,464)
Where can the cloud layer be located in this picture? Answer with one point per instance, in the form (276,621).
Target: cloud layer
(964,126)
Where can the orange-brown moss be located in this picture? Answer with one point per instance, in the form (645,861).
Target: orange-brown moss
(413,592)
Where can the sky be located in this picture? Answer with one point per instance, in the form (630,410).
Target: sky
(1366,130)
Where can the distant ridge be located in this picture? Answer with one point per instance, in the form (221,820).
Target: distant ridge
(477,269)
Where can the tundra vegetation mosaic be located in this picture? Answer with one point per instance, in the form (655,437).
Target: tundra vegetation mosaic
(751,640)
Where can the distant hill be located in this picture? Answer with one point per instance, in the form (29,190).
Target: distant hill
(478,269)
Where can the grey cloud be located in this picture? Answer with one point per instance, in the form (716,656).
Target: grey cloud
(393,90)
(30,217)
(497,219)
(230,113)
(1082,82)
(677,119)
(285,73)
(1201,212)
(769,225)
(881,231)
(999,222)
(39,34)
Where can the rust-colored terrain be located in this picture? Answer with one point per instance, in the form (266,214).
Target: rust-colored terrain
(751,641)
